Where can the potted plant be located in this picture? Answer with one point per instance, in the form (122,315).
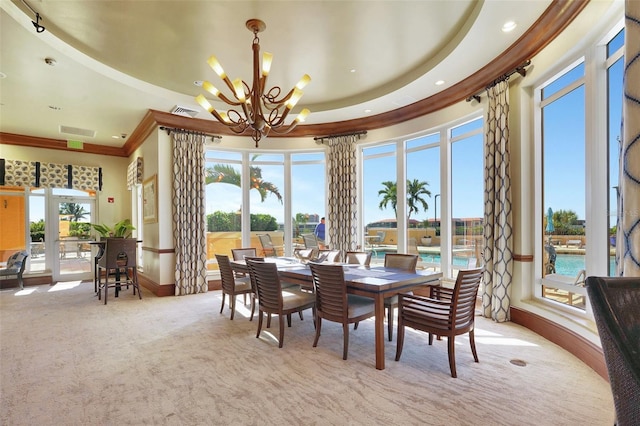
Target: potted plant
(426,240)
(121,229)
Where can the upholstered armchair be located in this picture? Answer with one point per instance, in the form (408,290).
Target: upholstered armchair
(15,266)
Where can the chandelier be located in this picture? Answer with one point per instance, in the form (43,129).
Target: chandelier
(252,108)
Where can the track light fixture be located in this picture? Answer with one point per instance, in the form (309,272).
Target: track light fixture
(36,23)
(39,28)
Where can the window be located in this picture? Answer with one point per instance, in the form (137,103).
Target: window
(223,203)
(379,189)
(615,69)
(235,218)
(467,195)
(308,198)
(563,182)
(423,173)
(578,173)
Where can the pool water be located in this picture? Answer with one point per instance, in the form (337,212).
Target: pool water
(566,264)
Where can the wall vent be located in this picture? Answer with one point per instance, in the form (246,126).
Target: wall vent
(77,131)
(184,111)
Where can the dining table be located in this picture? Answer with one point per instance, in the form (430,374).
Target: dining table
(376,282)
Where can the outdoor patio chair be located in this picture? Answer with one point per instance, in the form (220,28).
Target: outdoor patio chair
(310,241)
(447,312)
(334,304)
(331,255)
(268,248)
(15,266)
(616,309)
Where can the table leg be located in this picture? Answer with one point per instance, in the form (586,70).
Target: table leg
(379,308)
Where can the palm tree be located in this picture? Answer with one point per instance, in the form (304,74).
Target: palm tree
(76,211)
(389,195)
(224,173)
(415,191)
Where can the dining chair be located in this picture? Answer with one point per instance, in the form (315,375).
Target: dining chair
(231,285)
(616,310)
(447,312)
(358,257)
(273,299)
(268,249)
(239,254)
(119,261)
(404,262)
(334,304)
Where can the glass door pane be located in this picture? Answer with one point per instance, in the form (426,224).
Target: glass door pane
(72,253)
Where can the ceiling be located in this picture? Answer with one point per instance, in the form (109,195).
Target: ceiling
(115,60)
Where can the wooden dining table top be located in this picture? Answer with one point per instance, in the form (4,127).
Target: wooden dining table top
(376,282)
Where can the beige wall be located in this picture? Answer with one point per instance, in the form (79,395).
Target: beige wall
(114,176)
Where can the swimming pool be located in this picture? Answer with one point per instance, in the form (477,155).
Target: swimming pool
(566,264)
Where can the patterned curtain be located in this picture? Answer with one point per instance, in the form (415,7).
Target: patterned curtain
(498,222)
(628,238)
(343,207)
(135,171)
(189,227)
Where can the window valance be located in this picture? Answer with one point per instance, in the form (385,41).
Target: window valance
(49,175)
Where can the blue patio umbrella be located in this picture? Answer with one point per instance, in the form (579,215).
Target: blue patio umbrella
(550,228)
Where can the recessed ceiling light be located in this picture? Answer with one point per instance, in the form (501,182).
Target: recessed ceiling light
(115,137)
(509,26)
(352,70)
(3,75)
(439,82)
(367,111)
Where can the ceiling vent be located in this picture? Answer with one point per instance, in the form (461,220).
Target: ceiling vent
(77,131)
(184,111)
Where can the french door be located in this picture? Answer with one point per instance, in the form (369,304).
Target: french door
(70,215)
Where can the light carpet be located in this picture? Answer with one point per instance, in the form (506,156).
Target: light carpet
(67,359)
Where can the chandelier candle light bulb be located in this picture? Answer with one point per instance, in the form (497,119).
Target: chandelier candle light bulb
(262,111)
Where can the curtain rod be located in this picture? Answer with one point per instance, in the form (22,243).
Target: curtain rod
(519,69)
(320,139)
(214,138)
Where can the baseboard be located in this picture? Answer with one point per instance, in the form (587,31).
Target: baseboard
(582,348)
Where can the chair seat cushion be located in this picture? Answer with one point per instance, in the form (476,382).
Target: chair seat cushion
(393,300)
(284,284)
(293,298)
(359,305)
(243,284)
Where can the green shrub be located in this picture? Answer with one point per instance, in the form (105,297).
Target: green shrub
(231,222)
